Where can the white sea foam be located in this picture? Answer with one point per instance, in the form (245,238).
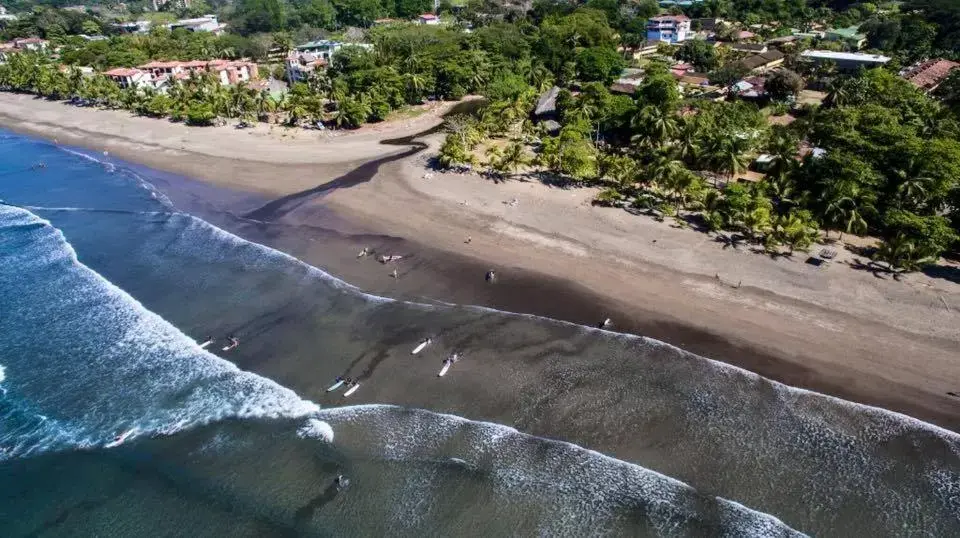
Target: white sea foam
(316,429)
(121,367)
(578,488)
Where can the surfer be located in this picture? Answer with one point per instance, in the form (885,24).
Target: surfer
(234,342)
(423,343)
(468,239)
(395,274)
(341,481)
(206,342)
(605,323)
(363,252)
(491,276)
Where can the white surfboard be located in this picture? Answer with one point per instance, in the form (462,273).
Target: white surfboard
(206,344)
(336,386)
(446,366)
(120,438)
(422,345)
(351,390)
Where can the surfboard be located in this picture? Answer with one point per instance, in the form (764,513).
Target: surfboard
(335,386)
(206,344)
(119,440)
(443,371)
(351,390)
(420,347)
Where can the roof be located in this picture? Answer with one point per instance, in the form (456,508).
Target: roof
(428,16)
(759,60)
(850,32)
(743,34)
(849,56)
(930,74)
(620,87)
(669,18)
(318,43)
(749,47)
(547,103)
(123,72)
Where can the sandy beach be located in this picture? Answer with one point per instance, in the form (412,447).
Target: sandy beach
(835,329)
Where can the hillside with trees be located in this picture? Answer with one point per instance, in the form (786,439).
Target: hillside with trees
(878,157)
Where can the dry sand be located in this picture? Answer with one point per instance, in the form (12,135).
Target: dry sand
(836,329)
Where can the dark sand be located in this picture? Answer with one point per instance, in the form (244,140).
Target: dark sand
(308,228)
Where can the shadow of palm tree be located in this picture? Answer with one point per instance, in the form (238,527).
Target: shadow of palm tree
(946,272)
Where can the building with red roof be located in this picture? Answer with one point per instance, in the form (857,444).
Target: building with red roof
(930,74)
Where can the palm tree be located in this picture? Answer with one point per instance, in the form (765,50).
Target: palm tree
(688,143)
(415,83)
(656,126)
(663,169)
(726,153)
(513,156)
(845,214)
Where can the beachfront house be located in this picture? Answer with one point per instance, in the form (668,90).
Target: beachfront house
(668,28)
(928,75)
(159,74)
(307,58)
(127,77)
(845,61)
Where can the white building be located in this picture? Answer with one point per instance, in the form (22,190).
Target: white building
(135,27)
(307,58)
(127,77)
(845,61)
(207,23)
(668,28)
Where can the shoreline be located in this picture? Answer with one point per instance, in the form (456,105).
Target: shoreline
(544,270)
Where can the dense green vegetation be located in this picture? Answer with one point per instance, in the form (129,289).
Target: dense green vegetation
(887,159)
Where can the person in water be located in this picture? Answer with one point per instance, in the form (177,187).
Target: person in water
(491,276)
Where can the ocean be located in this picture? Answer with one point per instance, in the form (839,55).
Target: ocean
(107,289)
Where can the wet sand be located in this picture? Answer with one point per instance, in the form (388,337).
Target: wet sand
(867,360)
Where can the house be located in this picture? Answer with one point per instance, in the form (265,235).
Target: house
(228,72)
(86,37)
(136,27)
(930,74)
(321,48)
(849,35)
(845,61)
(428,18)
(5,50)
(754,48)
(33,44)
(207,23)
(546,111)
(299,65)
(758,63)
(744,35)
(127,77)
(668,28)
